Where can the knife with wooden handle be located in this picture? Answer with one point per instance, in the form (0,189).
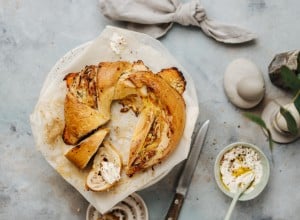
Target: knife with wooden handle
(187,173)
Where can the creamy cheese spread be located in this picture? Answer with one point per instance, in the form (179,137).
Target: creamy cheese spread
(110,172)
(117,43)
(237,162)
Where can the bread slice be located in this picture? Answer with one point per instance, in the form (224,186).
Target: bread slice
(106,168)
(143,126)
(174,78)
(170,121)
(81,154)
(82,85)
(80,120)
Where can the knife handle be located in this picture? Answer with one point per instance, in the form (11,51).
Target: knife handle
(174,210)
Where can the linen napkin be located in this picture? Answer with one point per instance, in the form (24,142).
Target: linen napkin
(156,17)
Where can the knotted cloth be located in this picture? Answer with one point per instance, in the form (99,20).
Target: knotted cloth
(156,17)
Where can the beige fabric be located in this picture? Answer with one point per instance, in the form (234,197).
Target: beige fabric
(156,17)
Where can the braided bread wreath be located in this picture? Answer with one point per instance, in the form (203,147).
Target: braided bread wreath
(52,121)
(157,101)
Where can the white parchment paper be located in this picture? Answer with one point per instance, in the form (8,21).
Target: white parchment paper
(47,119)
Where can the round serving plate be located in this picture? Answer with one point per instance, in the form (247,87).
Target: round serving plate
(50,105)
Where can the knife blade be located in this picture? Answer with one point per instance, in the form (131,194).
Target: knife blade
(187,173)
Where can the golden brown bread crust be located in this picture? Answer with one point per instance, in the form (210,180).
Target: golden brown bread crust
(89,97)
(107,77)
(80,120)
(81,154)
(174,78)
(82,85)
(173,105)
(124,87)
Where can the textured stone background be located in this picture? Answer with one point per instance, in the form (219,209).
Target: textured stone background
(34,34)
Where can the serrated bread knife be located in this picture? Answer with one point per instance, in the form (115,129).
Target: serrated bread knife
(187,173)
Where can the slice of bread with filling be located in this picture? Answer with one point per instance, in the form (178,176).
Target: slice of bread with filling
(106,168)
(81,154)
(80,120)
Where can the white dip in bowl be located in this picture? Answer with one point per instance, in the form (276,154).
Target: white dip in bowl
(236,160)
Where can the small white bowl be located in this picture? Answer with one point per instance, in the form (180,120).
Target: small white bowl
(131,208)
(257,188)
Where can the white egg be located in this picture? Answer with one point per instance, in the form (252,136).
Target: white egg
(280,122)
(251,89)
(276,122)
